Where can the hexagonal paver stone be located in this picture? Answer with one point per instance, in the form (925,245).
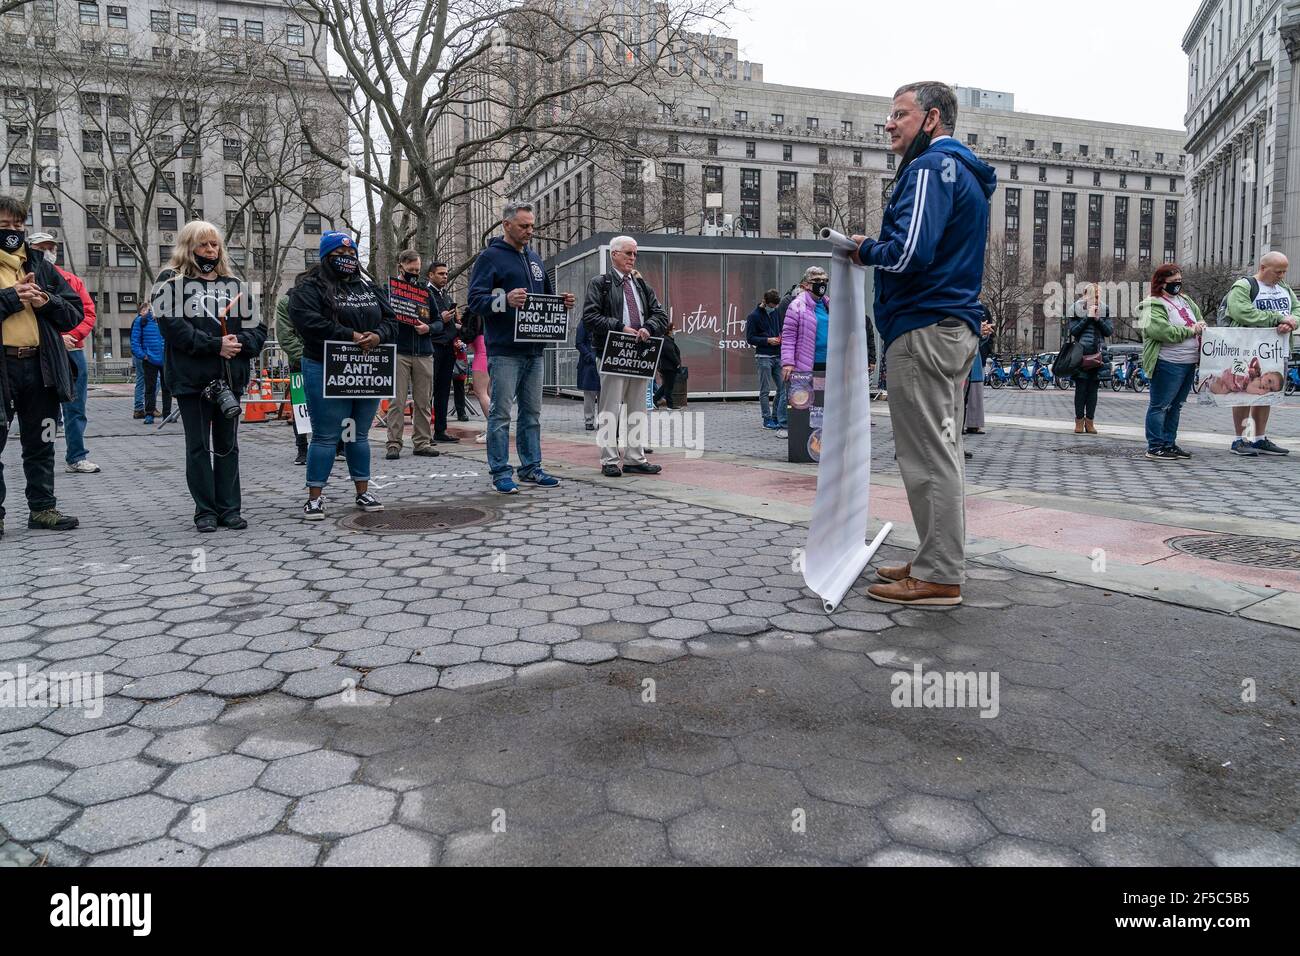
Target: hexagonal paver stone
(205,779)
(392,845)
(401,678)
(228,662)
(186,711)
(653,651)
(161,686)
(32,780)
(121,823)
(451,807)
(1242,845)
(351,808)
(320,682)
(276,849)
(516,653)
(309,772)
(236,816)
(585,652)
(164,852)
(109,781)
(11,854)
(257,680)
(655,794)
(910,856)
(936,823)
(194,743)
(1013,851)
(746,788)
(31,743)
(102,746)
(78,720)
(34,819)
(557,633)
(715,837)
(485,635)
(469,675)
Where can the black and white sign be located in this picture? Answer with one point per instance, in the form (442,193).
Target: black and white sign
(544,318)
(627,355)
(352,373)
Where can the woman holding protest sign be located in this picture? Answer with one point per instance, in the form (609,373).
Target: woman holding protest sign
(333,302)
(1171,327)
(212,329)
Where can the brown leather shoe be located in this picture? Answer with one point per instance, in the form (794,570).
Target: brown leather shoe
(1078,426)
(916,593)
(893,573)
(1089,426)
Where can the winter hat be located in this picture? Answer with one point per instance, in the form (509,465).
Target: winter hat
(333,240)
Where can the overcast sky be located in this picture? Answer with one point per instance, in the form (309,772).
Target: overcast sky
(1112,60)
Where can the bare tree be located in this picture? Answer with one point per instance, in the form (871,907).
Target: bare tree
(1209,283)
(1007,295)
(839,196)
(452,95)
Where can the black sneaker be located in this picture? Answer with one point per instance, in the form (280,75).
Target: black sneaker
(1181,453)
(393,454)
(1162,454)
(1266,447)
(427,453)
(446,439)
(205,525)
(314,509)
(234,523)
(301,458)
(368,502)
(51,520)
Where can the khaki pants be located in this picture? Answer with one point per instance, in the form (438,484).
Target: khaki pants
(416,373)
(616,391)
(927,368)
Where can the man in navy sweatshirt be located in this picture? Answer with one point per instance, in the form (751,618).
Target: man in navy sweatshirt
(504,273)
(763,331)
(929,263)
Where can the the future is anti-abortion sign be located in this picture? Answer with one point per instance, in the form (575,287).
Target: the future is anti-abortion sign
(1242,366)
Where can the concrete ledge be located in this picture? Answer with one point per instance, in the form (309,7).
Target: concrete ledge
(1281,609)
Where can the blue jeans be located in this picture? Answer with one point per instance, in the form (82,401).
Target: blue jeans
(1170,386)
(328,419)
(74,413)
(515,379)
(769,377)
(139,383)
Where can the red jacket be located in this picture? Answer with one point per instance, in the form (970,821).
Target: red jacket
(87,304)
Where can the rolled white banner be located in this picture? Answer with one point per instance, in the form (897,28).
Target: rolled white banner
(837,550)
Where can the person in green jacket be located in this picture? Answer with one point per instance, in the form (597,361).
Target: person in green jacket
(1274,305)
(1171,328)
(287,337)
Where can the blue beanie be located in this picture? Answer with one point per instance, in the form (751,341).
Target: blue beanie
(333,240)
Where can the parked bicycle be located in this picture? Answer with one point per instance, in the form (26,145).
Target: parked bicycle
(1022,374)
(1292,379)
(1129,375)
(998,375)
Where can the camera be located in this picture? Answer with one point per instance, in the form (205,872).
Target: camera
(220,394)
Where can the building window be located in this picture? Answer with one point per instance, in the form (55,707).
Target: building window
(234,221)
(704,113)
(186,23)
(1171,229)
(1110,152)
(1015,170)
(117,17)
(51,214)
(1094,233)
(823,156)
(119,50)
(741,116)
(710,182)
(891,162)
(1042,174)
(674,144)
(778,119)
(126,257)
(674,198)
(1173,185)
(127,302)
(164,254)
(167,218)
(1134,155)
(787,197)
(813,122)
(311,224)
(972,139)
(160,21)
(228,27)
(95,254)
(751,149)
(311,257)
(857,157)
(1041,201)
(1002,142)
(1011,232)
(1083,149)
(89,13)
(47,137)
(92,178)
(19,175)
(234,185)
(253,30)
(1056,148)
(295,35)
(1069,176)
(297,69)
(1160,158)
(1068,201)
(1029,145)
(1096,178)
(123,217)
(231,148)
(787,153)
(1146,213)
(1121,229)
(846,127)
(750,205)
(712,146)
(1123,181)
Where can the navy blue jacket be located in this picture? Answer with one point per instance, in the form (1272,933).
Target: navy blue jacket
(929,258)
(147,340)
(761,326)
(588,361)
(500,269)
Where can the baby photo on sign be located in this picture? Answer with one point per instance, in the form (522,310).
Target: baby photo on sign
(1242,366)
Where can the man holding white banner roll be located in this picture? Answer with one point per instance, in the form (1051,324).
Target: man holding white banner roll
(930,266)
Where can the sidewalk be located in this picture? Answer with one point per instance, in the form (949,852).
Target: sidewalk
(588,675)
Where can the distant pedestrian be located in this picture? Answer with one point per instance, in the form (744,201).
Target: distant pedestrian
(806,327)
(1090,326)
(588,376)
(414,373)
(670,366)
(1274,305)
(137,363)
(147,342)
(445,327)
(1171,327)
(77,459)
(929,263)
(975,384)
(763,332)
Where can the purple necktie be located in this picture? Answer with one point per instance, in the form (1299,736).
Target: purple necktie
(633,313)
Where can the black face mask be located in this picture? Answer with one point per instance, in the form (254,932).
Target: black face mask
(412,277)
(918,146)
(819,289)
(206,264)
(1173,288)
(345,266)
(11,240)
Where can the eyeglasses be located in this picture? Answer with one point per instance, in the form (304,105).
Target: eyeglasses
(897,115)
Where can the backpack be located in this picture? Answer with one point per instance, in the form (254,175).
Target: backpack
(1221,316)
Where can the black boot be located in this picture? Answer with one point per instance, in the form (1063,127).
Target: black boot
(301,459)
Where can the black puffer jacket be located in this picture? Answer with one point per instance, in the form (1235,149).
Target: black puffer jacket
(356,306)
(193,354)
(1091,333)
(61,314)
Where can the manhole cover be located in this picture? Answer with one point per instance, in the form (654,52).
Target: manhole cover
(413,519)
(1241,549)
(1111,450)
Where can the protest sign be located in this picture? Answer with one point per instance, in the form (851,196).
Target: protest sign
(1242,366)
(544,318)
(625,354)
(410,303)
(208,303)
(353,373)
(297,395)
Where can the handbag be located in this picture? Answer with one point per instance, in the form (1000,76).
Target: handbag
(1091,362)
(1069,360)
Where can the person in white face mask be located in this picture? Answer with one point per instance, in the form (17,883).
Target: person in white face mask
(74,412)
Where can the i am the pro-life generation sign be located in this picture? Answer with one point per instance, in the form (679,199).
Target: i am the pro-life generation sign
(351,372)
(544,318)
(627,355)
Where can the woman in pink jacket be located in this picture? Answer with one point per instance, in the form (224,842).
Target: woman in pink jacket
(804,332)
